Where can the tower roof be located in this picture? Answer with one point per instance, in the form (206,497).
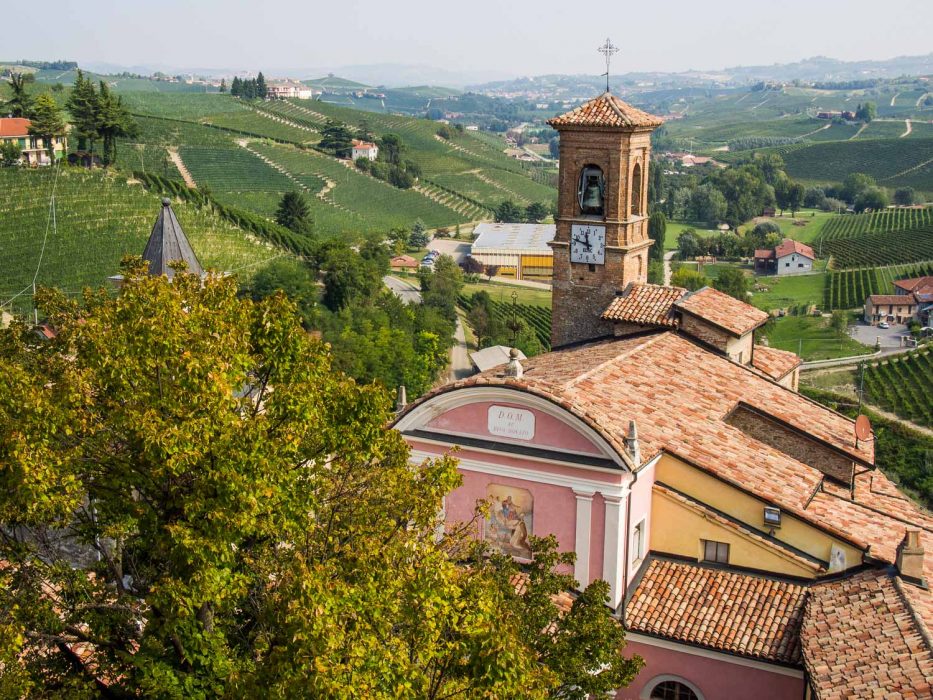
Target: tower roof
(606,110)
(168,242)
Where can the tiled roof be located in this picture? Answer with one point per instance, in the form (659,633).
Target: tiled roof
(718,609)
(14,126)
(788,246)
(902,299)
(606,110)
(777,364)
(764,253)
(861,639)
(646,304)
(724,311)
(921,285)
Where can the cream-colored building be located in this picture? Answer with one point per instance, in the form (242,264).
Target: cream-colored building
(35,152)
(518,250)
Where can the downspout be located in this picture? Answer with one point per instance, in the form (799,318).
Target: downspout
(631,446)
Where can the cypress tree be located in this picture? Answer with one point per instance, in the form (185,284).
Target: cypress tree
(261,90)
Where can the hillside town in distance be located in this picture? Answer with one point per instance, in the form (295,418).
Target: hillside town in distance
(594,372)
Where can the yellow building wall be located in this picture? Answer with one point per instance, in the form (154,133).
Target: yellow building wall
(684,528)
(748,509)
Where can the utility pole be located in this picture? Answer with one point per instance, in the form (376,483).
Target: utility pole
(861,385)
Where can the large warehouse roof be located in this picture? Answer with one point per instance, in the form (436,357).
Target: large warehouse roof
(514,238)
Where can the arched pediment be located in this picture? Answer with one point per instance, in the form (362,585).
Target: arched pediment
(511,418)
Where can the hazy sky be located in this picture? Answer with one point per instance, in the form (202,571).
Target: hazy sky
(512,37)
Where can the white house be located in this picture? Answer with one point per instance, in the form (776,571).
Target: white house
(789,258)
(282,89)
(365,149)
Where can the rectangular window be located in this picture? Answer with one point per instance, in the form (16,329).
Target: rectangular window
(715,551)
(638,542)
(799,264)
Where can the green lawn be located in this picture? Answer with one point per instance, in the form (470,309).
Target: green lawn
(675,228)
(503,293)
(792,290)
(811,337)
(814,220)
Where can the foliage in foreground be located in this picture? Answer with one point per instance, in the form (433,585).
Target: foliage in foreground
(194,504)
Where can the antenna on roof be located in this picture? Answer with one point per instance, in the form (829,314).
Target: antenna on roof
(608,50)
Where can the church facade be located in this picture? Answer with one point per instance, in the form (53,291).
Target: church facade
(752,547)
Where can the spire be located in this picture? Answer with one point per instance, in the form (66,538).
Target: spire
(168,242)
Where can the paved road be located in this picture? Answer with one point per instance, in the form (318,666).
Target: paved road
(890,338)
(457,249)
(460,365)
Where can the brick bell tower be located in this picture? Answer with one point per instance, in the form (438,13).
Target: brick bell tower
(602,240)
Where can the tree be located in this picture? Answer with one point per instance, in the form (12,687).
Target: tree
(20,103)
(707,204)
(840,323)
(84,106)
(391,148)
(509,212)
(866,112)
(854,184)
(294,279)
(261,90)
(235,87)
(348,277)
(688,279)
(223,85)
(873,198)
(492,271)
(795,197)
(47,123)
(553,147)
(419,237)
(10,153)
(813,197)
(337,139)
(905,196)
(440,287)
(293,213)
(687,244)
(114,121)
(444,132)
(535,212)
(473,266)
(733,282)
(657,228)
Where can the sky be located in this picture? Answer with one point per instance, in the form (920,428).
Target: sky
(492,38)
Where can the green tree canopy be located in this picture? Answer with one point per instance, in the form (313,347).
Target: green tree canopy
(509,212)
(195,504)
(535,212)
(84,107)
(294,213)
(113,121)
(733,282)
(47,122)
(657,229)
(689,279)
(20,103)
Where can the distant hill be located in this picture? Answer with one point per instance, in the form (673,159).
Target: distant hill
(336,83)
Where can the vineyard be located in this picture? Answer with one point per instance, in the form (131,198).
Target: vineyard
(847,289)
(100,217)
(890,248)
(903,385)
(537,317)
(849,226)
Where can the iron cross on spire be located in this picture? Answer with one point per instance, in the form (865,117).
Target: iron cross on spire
(608,50)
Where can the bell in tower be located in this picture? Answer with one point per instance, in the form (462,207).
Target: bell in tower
(591,191)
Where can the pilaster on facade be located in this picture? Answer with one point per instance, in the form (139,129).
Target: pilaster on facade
(614,548)
(582,538)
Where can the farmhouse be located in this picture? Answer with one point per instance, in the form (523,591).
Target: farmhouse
(403,262)
(35,151)
(896,308)
(365,149)
(518,250)
(751,545)
(788,258)
(283,89)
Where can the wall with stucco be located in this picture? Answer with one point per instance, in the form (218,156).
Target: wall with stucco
(641,501)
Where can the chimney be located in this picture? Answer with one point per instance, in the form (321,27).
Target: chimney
(401,400)
(910,556)
(514,368)
(631,443)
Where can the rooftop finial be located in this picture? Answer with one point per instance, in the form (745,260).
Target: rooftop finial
(402,399)
(631,443)
(608,50)
(514,368)
(166,202)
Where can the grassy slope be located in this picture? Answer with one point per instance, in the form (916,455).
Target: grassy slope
(100,218)
(811,337)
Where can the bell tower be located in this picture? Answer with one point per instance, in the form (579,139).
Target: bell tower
(601,243)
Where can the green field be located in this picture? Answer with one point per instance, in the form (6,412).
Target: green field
(903,385)
(778,292)
(502,293)
(100,217)
(847,289)
(851,225)
(537,317)
(806,227)
(811,337)
(873,249)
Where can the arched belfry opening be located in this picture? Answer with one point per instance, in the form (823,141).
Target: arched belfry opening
(636,191)
(591,191)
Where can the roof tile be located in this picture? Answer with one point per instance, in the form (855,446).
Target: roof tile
(645,304)
(606,110)
(724,311)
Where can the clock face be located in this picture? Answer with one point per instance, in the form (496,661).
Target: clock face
(588,244)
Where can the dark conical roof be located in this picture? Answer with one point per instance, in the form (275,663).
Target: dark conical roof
(168,242)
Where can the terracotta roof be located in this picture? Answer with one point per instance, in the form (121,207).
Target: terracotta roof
(788,246)
(646,304)
(777,364)
(721,310)
(902,299)
(920,285)
(606,110)
(861,639)
(764,253)
(14,126)
(719,609)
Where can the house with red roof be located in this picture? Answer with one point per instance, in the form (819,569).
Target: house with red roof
(753,545)
(790,257)
(35,151)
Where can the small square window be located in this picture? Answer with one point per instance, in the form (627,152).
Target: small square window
(717,552)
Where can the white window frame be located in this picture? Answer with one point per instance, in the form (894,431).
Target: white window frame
(657,680)
(638,547)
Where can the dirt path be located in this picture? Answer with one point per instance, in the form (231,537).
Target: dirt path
(860,130)
(909,128)
(815,131)
(182,168)
(894,98)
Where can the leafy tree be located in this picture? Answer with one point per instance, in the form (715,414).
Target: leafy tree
(391,148)
(854,184)
(745,190)
(236,86)
(419,237)
(535,212)
(873,198)
(10,153)
(223,85)
(440,287)
(261,90)
(348,277)
(688,245)
(492,271)
(707,204)
(689,279)
(840,323)
(832,204)
(814,197)
(336,139)
(363,163)
(47,122)
(84,106)
(113,121)
(294,213)
(20,103)
(656,271)
(400,178)
(444,132)
(905,196)
(733,282)
(554,147)
(473,266)
(509,212)
(795,197)
(294,279)
(866,112)
(657,228)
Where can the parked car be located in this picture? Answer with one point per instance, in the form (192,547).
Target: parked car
(884,324)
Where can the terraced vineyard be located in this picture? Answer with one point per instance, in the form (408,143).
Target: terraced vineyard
(232,169)
(904,385)
(100,217)
(538,317)
(849,226)
(847,289)
(891,248)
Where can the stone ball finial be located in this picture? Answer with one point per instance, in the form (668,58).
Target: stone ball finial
(514,368)
(166,202)
(513,353)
